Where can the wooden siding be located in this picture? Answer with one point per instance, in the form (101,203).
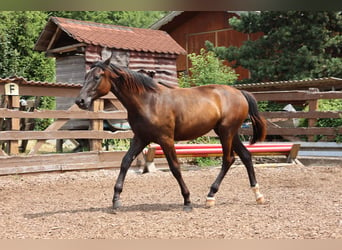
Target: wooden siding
(192,32)
(163,65)
(70,69)
(73,69)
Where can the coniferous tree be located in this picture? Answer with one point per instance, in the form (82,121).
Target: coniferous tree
(293,45)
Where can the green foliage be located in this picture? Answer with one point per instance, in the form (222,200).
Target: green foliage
(330,105)
(206,161)
(294,45)
(326,105)
(19,31)
(139,19)
(207,69)
(45,103)
(265,106)
(204,140)
(118,144)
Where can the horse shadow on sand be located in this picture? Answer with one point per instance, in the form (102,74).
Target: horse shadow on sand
(156,207)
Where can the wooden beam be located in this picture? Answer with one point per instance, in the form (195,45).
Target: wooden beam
(54,126)
(60,162)
(297,131)
(15,124)
(64,114)
(66,48)
(2,153)
(64,134)
(313,106)
(97,125)
(53,39)
(46,90)
(302,114)
(296,95)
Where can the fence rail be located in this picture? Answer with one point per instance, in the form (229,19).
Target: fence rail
(97,117)
(96,133)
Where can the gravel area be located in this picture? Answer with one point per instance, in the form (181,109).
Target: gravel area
(301,203)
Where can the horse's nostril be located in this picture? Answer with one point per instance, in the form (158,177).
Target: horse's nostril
(79,101)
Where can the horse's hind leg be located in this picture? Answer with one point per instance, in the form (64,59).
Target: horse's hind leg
(135,148)
(227,160)
(246,159)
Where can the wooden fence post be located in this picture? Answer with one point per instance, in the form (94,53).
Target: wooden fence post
(313,106)
(97,125)
(14,103)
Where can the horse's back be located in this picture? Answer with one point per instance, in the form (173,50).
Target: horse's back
(197,110)
(218,96)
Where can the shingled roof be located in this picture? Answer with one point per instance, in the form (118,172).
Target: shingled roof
(107,35)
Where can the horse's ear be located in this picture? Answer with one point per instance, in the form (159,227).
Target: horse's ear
(107,62)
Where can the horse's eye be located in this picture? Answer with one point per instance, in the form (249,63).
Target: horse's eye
(96,78)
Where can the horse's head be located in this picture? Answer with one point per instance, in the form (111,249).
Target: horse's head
(97,83)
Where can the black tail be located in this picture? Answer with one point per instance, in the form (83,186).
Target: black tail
(258,122)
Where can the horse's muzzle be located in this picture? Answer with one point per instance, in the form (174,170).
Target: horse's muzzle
(82,103)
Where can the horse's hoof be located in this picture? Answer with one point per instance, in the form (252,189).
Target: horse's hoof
(258,196)
(260,200)
(210,202)
(187,208)
(117,204)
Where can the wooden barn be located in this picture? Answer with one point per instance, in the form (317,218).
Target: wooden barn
(192,28)
(77,44)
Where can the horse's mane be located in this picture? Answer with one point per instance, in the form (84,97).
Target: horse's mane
(133,81)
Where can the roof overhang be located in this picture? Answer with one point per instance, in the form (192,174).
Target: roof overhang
(323,84)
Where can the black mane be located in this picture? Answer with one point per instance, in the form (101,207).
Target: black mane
(134,81)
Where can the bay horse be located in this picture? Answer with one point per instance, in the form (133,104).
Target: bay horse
(163,115)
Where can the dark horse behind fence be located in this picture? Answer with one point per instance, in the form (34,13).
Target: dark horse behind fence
(162,115)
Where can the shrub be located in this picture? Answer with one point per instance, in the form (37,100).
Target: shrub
(207,69)
(330,105)
(327,105)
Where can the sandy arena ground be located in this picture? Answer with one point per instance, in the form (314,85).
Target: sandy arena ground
(302,203)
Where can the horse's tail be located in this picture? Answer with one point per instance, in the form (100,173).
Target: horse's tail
(258,122)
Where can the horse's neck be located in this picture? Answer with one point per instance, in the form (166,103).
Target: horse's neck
(131,101)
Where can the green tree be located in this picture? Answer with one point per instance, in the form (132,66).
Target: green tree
(93,16)
(139,19)
(293,45)
(19,31)
(330,105)
(207,69)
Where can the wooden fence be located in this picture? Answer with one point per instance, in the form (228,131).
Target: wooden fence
(12,162)
(310,98)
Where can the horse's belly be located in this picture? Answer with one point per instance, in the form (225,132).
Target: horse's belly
(195,127)
(190,134)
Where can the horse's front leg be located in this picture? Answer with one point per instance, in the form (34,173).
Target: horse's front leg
(134,150)
(170,153)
